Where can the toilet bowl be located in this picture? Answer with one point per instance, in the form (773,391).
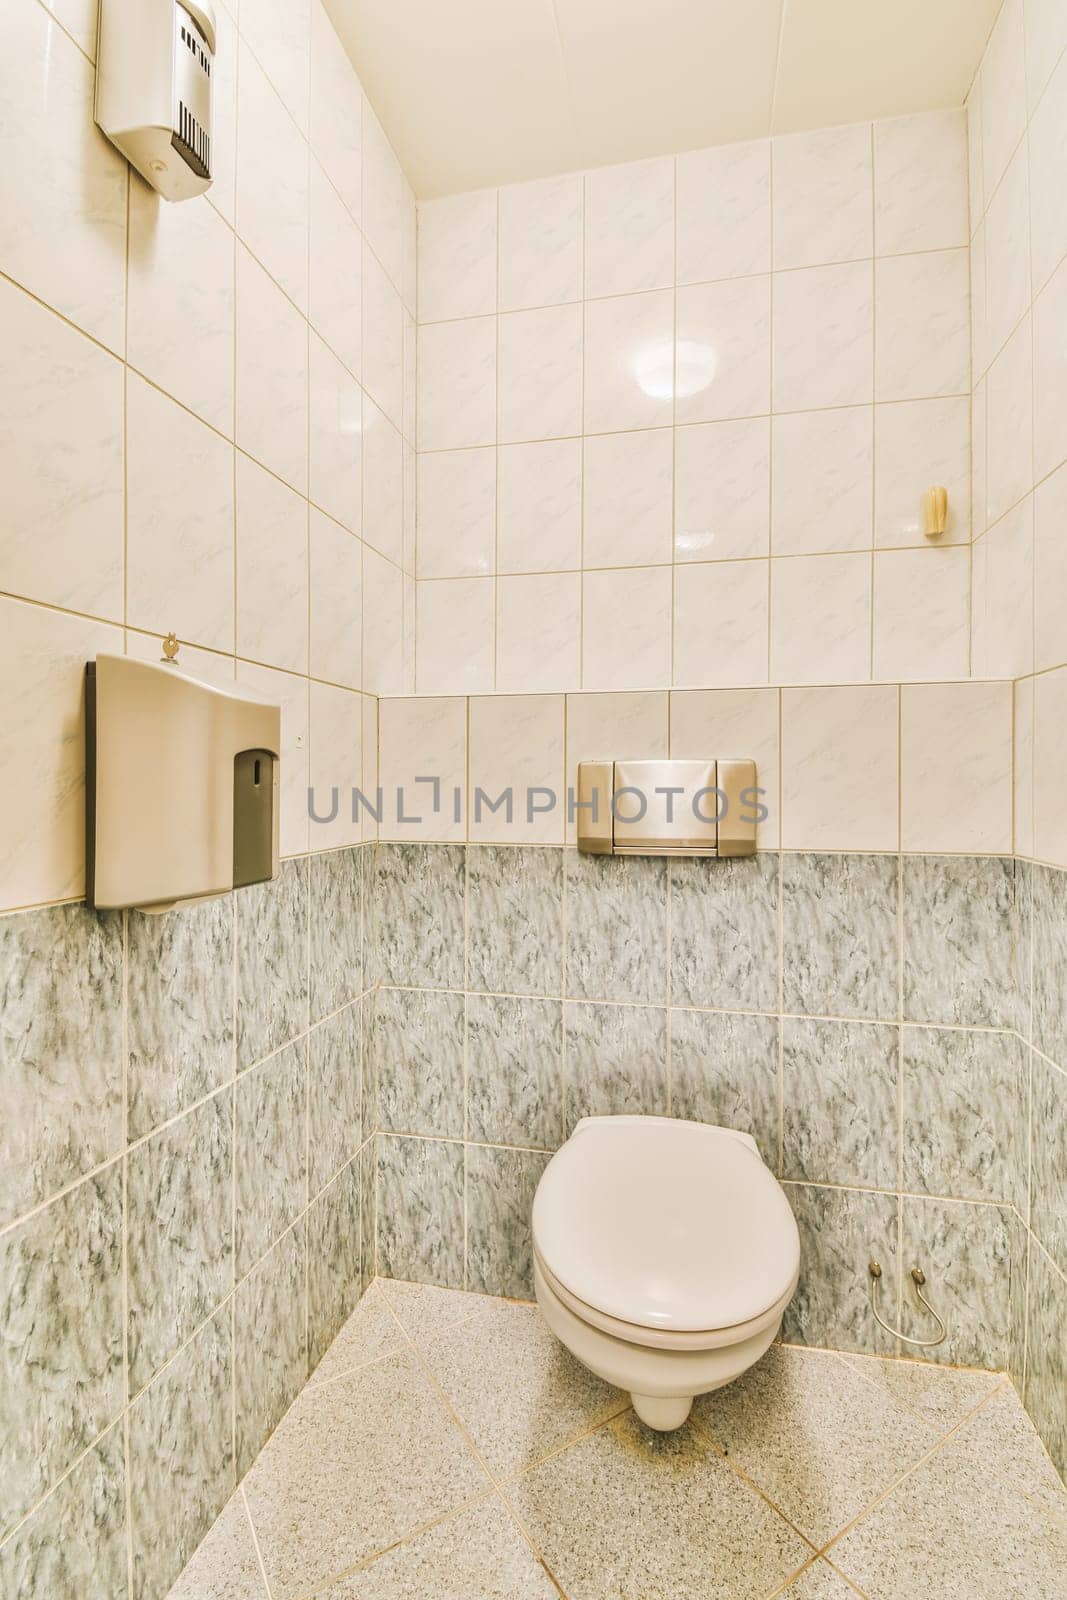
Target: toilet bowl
(665,1254)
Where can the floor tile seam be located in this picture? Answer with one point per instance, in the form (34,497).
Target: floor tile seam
(529,1467)
(406,1346)
(891,1489)
(905,1405)
(408,1537)
(240,1492)
(817,1561)
(440,1333)
(516,1520)
(704,1434)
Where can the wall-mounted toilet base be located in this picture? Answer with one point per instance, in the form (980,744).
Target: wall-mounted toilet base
(663,1414)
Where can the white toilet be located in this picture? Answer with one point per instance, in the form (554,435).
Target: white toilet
(665,1253)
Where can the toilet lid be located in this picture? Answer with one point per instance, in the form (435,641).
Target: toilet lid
(665,1224)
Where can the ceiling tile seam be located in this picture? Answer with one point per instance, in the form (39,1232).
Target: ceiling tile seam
(777,67)
(576,147)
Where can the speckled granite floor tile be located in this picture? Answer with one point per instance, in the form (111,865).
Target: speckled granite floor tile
(370,1333)
(355,1466)
(626,1512)
(943,1395)
(514,1387)
(1002,1437)
(818,1439)
(424,1310)
(226,1566)
(953,1531)
(478,1555)
(818,1582)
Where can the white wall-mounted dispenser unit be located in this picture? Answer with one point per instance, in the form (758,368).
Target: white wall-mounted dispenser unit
(668,808)
(155,66)
(181,785)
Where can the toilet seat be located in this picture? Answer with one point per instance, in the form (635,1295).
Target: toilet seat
(665,1233)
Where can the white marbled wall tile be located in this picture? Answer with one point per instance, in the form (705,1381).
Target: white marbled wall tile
(457,245)
(540,227)
(629,362)
(1002,614)
(722,490)
(538,632)
(272,182)
(720,622)
(975,176)
(383,198)
(335,444)
(922,320)
(723,360)
(626,628)
(1045,24)
(979,453)
(454,650)
(409,377)
(272,570)
(279,32)
(918,443)
(335,275)
(42,751)
(820,619)
(630,726)
(79,18)
(1010,435)
(1007,253)
(822,196)
(180,521)
(724,212)
(272,375)
(180,323)
(61,462)
(839,768)
(539,374)
(538,506)
(729,723)
(956,768)
(291,693)
(336,761)
(824,337)
(383,484)
(336,113)
(921,182)
(1050,572)
(1050,375)
(1048,152)
(456,513)
(62,172)
(823,481)
(222,195)
(629,228)
(627,489)
(922,614)
(1003,78)
(383,625)
(457,384)
(383,341)
(979,320)
(517,742)
(423,738)
(1023,769)
(1050,767)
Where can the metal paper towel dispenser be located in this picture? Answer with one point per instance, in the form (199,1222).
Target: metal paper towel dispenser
(182,785)
(668,808)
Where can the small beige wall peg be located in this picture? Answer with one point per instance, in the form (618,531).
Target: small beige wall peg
(170,649)
(935,511)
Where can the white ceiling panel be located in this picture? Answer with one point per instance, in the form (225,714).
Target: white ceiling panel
(847,60)
(648,79)
(481,92)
